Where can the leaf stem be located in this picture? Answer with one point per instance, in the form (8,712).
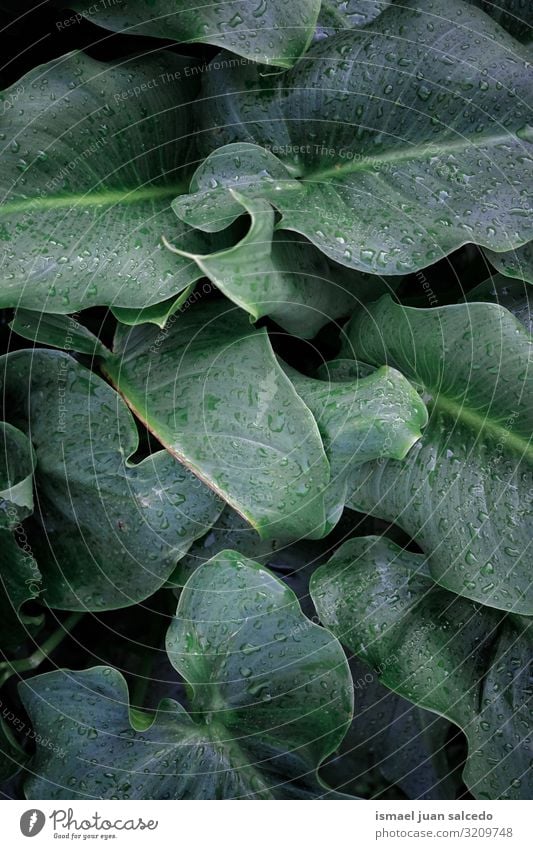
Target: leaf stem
(27,664)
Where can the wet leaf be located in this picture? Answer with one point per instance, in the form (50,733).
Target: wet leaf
(211,390)
(107,532)
(284,276)
(93,154)
(440,651)
(407,138)
(58,331)
(271,697)
(516,16)
(271,31)
(360,419)
(464,491)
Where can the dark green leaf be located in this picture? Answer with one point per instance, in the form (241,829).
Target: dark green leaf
(20,579)
(464,491)
(109,532)
(92,155)
(398,135)
(273,32)
(516,16)
(440,651)
(212,391)
(271,697)
(285,277)
(377,416)
(59,331)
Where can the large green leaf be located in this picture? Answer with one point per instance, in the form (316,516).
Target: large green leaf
(464,491)
(464,661)
(20,578)
(361,419)
(271,697)
(270,31)
(108,532)
(408,139)
(284,276)
(211,390)
(92,155)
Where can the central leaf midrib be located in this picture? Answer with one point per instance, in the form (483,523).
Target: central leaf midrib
(368,161)
(108,197)
(479,423)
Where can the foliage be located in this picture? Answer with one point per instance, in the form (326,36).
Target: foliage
(267,401)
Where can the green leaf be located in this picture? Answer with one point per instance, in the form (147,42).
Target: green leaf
(393,748)
(517,263)
(464,491)
(17,465)
(86,192)
(59,331)
(440,651)
(399,135)
(284,276)
(271,697)
(211,390)
(516,16)
(159,314)
(108,532)
(12,757)
(273,32)
(377,416)
(20,578)
(20,582)
(229,177)
(514,295)
(337,15)
(230,531)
